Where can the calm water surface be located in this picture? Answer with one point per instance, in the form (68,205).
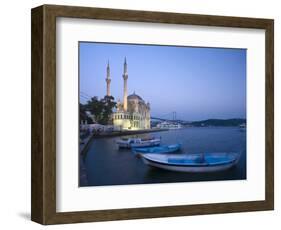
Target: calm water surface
(105,164)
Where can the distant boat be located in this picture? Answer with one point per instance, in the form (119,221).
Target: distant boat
(158,149)
(192,163)
(138,142)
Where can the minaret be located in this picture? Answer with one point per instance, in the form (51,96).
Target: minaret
(125,77)
(108,80)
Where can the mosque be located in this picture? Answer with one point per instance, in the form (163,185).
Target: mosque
(133,113)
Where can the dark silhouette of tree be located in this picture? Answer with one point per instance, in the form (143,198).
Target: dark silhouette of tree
(95,107)
(83,115)
(108,105)
(101,109)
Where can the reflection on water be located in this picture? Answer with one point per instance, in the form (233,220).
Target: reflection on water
(105,164)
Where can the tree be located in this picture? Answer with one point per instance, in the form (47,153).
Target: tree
(83,115)
(95,107)
(101,109)
(108,105)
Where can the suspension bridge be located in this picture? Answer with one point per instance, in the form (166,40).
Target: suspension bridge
(169,117)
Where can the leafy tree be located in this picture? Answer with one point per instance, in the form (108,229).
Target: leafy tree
(95,107)
(108,105)
(101,109)
(83,115)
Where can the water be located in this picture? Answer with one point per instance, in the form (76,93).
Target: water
(105,164)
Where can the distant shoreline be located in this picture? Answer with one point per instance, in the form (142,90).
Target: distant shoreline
(219,122)
(211,122)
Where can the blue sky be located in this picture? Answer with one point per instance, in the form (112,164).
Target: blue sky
(196,82)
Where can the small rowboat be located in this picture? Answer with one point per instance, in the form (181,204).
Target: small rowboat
(193,163)
(138,142)
(158,149)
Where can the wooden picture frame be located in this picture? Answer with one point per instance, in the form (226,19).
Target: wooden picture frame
(43,208)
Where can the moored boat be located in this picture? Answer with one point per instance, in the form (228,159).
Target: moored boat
(157,149)
(138,142)
(193,163)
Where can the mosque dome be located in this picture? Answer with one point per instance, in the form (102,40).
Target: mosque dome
(134,96)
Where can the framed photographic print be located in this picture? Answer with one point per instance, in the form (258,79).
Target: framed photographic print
(140,114)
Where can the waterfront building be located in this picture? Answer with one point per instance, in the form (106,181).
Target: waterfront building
(169,125)
(133,113)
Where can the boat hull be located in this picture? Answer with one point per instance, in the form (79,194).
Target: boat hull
(141,144)
(146,144)
(189,168)
(157,150)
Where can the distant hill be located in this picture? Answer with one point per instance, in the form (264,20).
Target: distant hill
(219,122)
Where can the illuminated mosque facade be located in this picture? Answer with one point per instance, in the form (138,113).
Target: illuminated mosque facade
(133,113)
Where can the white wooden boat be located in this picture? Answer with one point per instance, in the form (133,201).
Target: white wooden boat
(138,142)
(193,163)
(157,149)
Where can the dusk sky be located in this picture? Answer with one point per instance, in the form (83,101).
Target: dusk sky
(197,83)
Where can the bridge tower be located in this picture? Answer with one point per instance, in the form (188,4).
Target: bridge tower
(174,116)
